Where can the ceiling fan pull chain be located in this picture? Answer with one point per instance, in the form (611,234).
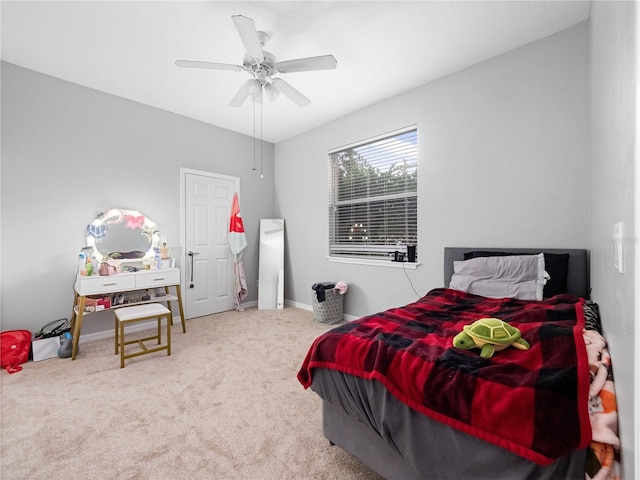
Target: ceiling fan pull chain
(261,159)
(254,134)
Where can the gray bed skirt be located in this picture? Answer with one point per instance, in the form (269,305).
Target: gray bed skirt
(364,419)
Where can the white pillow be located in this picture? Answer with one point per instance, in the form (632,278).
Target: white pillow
(516,276)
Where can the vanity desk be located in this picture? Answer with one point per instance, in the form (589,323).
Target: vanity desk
(133,241)
(124,282)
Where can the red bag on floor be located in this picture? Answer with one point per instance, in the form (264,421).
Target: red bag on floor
(14,349)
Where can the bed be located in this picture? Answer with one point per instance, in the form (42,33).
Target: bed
(459,415)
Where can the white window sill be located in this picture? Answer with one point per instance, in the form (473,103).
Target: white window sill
(375,263)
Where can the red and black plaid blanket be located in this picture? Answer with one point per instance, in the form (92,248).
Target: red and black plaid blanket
(533,403)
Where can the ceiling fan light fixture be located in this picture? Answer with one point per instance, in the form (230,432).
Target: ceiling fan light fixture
(254,87)
(271,91)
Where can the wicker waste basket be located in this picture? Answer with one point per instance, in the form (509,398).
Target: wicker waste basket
(331,310)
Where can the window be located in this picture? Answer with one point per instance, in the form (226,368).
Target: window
(373,196)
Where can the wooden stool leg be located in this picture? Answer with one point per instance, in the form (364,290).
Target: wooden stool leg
(170,310)
(159,330)
(116,335)
(121,344)
(169,317)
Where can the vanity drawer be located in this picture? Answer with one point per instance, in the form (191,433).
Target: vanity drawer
(106,284)
(158,278)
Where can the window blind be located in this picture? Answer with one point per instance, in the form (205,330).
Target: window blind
(373,196)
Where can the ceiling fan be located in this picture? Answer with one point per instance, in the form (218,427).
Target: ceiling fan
(262,66)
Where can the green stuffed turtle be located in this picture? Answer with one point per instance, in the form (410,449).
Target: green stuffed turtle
(491,335)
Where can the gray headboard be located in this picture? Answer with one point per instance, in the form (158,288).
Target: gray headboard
(577,275)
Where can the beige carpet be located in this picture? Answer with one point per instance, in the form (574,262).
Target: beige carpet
(225,405)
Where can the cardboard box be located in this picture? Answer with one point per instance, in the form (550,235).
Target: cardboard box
(45,348)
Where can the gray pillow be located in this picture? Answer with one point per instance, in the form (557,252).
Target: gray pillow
(519,276)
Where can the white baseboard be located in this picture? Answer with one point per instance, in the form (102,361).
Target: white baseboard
(306,306)
(301,306)
(252,304)
(137,327)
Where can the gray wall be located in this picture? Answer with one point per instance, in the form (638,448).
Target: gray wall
(70,152)
(613,127)
(503,161)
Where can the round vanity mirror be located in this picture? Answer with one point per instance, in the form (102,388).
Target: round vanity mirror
(123,234)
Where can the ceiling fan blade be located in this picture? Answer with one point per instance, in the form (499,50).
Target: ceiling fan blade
(323,62)
(211,65)
(239,98)
(291,93)
(249,36)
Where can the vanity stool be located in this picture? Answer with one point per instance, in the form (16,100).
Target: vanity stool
(140,313)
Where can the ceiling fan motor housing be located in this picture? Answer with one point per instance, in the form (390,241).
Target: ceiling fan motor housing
(261,70)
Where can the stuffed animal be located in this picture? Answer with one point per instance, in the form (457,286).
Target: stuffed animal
(490,335)
(603,409)
(599,359)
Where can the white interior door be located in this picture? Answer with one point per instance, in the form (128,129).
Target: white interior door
(208,261)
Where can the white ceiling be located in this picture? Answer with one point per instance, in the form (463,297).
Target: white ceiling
(383,48)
